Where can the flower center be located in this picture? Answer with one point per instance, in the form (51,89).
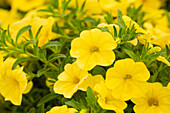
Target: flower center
(94,49)
(127,77)
(76,80)
(152,102)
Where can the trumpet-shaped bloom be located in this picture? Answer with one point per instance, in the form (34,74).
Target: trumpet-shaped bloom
(155,100)
(45,35)
(26,5)
(12,16)
(127,79)
(13,83)
(106,100)
(70,80)
(62,109)
(92,48)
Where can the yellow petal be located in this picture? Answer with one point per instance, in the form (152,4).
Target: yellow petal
(65,88)
(162,59)
(91,81)
(28,88)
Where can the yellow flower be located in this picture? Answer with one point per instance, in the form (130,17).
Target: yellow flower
(8,17)
(148,5)
(70,80)
(156,100)
(113,5)
(91,6)
(26,5)
(107,101)
(28,88)
(157,36)
(92,48)
(13,83)
(45,35)
(127,79)
(62,109)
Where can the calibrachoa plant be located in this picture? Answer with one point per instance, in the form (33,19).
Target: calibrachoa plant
(84,56)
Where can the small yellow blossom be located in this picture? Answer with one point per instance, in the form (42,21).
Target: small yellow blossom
(157,36)
(8,17)
(156,100)
(45,35)
(106,100)
(26,5)
(127,79)
(113,5)
(13,83)
(62,109)
(92,48)
(148,5)
(70,80)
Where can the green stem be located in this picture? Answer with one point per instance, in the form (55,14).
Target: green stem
(33,56)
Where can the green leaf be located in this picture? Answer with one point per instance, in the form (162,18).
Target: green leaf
(42,71)
(38,32)
(20,60)
(32,110)
(131,54)
(121,23)
(109,18)
(52,43)
(3,37)
(54,57)
(26,45)
(98,70)
(115,31)
(92,101)
(153,57)
(41,109)
(21,31)
(119,13)
(47,98)
(74,104)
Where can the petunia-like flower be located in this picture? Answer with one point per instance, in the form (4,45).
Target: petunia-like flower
(45,35)
(106,100)
(12,85)
(92,48)
(91,81)
(155,100)
(127,79)
(62,109)
(70,80)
